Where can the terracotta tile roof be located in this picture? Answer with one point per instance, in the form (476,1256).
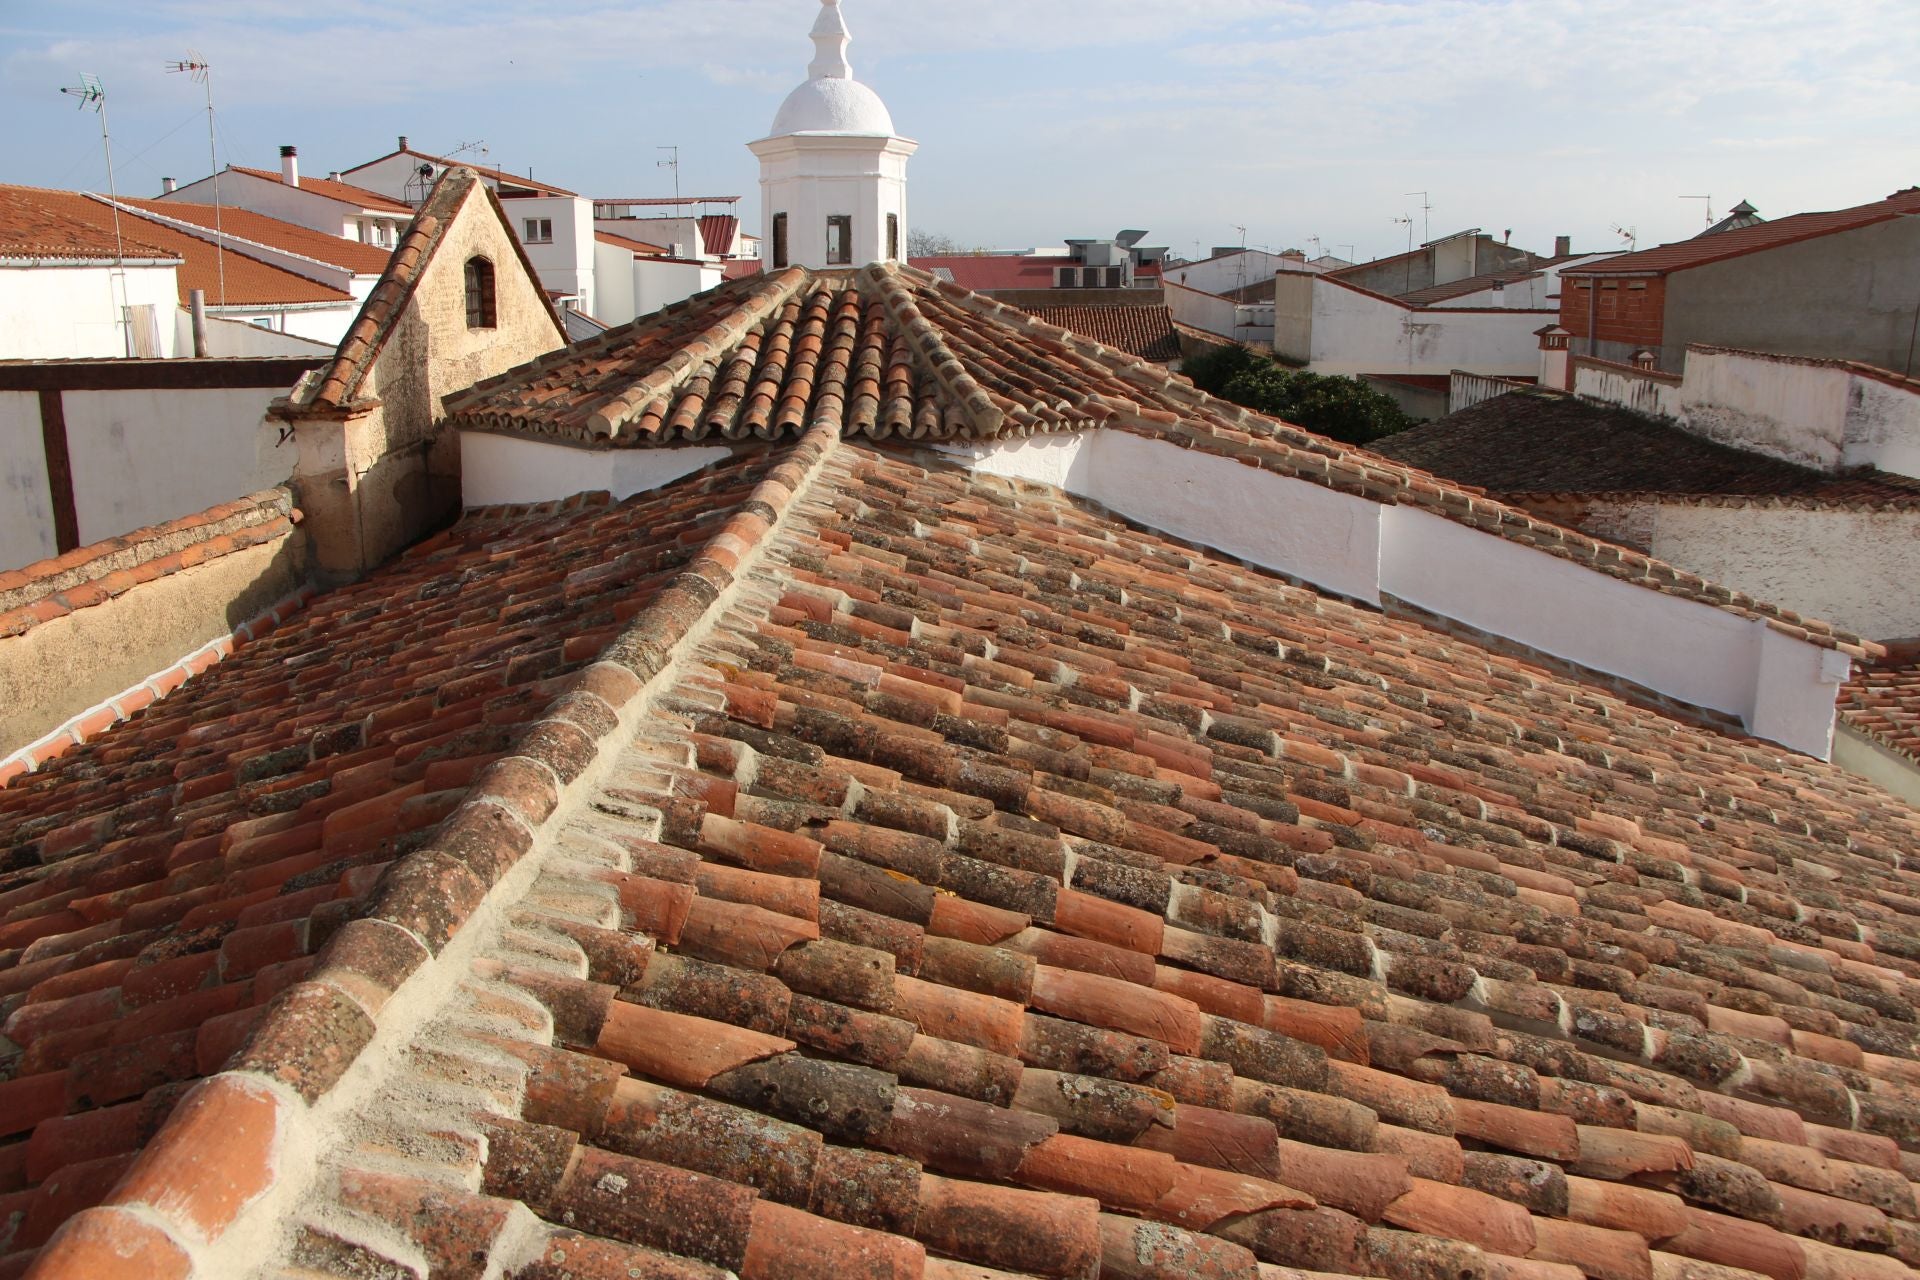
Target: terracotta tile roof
(38,223)
(741,269)
(1146,332)
(1883,700)
(350,255)
(628,242)
(897,354)
(939,878)
(499,176)
(164,884)
(1532,444)
(344,192)
(985,271)
(1738,241)
(248,281)
(338,384)
(1441,293)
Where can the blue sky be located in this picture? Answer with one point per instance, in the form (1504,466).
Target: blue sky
(1040,119)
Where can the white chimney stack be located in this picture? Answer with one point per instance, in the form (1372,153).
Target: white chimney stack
(290,166)
(168,185)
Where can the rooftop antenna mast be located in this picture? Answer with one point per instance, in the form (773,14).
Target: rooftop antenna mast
(478,146)
(93,94)
(1426,217)
(1630,234)
(1709,200)
(671,162)
(1242,260)
(202,73)
(1407,220)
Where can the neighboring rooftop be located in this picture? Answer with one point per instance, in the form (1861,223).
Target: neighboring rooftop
(1143,331)
(238,281)
(40,223)
(334,189)
(1532,444)
(990,272)
(1883,700)
(1741,215)
(244,224)
(1758,236)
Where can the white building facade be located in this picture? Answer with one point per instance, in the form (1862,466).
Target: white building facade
(833,173)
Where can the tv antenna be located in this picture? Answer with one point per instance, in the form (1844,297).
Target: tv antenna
(1709,200)
(478,147)
(93,94)
(1407,219)
(671,162)
(1630,234)
(202,72)
(1241,264)
(1426,217)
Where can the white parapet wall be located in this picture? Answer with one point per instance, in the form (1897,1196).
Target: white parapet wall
(506,469)
(1781,688)
(1824,414)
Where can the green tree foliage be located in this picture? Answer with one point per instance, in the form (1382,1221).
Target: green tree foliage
(1346,409)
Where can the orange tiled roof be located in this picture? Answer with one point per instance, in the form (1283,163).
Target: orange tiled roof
(248,281)
(628,242)
(1143,331)
(905,356)
(1883,700)
(1739,241)
(501,176)
(344,192)
(39,223)
(351,255)
(839,865)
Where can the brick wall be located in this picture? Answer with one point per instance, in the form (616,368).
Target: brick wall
(1633,317)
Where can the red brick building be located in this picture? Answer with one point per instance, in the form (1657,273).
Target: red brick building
(1841,285)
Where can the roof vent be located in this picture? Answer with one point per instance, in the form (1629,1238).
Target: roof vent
(290,166)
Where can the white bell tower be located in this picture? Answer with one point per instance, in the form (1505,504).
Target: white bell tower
(833,174)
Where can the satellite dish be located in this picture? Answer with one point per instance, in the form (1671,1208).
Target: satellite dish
(426,171)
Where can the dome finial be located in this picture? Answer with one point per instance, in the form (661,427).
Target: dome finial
(830,40)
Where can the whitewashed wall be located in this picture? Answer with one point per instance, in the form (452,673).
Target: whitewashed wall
(1822,414)
(1240,321)
(63,313)
(26,506)
(1653,394)
(1218,275)
(1354,332)
(1856,569)
(143,457)
(658,282)
(565,263)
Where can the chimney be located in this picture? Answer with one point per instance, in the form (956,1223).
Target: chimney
(1563,246)
(333,176)
(290,166)
(403,142)
(1645,359)
(168,186)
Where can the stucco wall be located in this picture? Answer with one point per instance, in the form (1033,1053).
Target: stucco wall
(1218,275)
(1856,569)
(1354,332)
(26,503)
(377,482)
(143,457)
(1849,296)
(1657,397)
(64,666)
(59,313)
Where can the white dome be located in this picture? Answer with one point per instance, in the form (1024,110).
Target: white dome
(833,105)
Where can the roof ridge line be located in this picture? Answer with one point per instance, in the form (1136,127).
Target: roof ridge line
(923,339)
(719,337)
(429,913)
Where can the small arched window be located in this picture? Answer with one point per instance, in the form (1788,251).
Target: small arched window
(480,304)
